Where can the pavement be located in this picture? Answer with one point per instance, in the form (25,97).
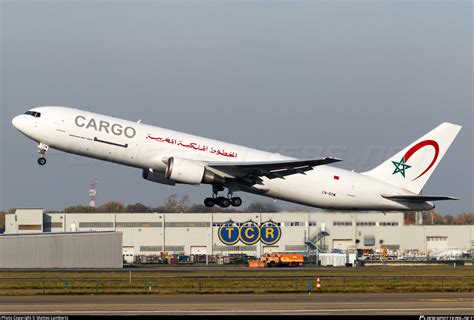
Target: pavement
(440,303)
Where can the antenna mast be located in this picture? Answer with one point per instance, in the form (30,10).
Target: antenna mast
(92,193)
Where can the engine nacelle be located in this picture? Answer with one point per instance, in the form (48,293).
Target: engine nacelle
(190,172)
(158,177)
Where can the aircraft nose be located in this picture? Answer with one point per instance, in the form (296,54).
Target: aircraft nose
(16,122)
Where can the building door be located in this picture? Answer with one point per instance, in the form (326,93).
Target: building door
(434,244)
(195,250)
(128,254)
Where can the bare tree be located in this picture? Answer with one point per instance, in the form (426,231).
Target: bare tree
(138,208)
(263,207)
(111,207)
(465,218)
(2,220)
(79,209)
(173,205)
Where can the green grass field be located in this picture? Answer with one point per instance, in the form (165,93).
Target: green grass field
(156,281)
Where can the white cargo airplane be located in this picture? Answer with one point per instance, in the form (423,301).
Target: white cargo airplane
(171,157)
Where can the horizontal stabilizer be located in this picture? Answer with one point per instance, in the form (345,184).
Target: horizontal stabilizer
(417,198)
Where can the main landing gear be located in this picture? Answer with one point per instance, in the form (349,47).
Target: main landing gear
(42,148)
(223,202)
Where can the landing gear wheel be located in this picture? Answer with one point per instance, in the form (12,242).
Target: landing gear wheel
(42,148)
(209,202)
(223,202)
(236,202)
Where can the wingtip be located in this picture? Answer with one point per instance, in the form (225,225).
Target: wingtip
(333,159)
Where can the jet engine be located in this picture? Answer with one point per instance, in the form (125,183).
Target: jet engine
(190,172)
(156,176)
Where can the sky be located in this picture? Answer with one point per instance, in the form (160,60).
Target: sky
(357,80)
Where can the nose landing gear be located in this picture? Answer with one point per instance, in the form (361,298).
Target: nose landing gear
(42,148)
(223,202)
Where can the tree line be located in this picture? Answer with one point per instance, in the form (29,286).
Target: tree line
(431,217)
(172,204)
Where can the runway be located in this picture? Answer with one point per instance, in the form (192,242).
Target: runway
(243,304)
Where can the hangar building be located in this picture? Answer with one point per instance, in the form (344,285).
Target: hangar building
(250,233)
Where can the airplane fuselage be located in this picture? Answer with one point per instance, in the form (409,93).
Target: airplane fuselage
(147,147)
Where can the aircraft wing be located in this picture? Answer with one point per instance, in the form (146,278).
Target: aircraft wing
(251,172)
(417,198)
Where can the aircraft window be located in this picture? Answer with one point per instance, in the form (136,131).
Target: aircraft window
(33,114)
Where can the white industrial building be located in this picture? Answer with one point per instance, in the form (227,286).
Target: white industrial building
(199,233)
(79,250)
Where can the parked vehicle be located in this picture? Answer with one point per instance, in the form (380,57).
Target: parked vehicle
(271,260)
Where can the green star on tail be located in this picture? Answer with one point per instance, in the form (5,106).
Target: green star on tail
(400,167)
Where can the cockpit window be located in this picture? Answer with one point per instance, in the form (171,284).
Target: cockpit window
(33,114)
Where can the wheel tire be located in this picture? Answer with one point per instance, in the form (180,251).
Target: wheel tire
(236,202)
(209,202)
(41,161)
(223,202)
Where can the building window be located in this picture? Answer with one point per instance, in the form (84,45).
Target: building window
(369,241)
(436,238)
(138,224)
(49,225)
(366,224)
(342,223)
(96,224)
(234,248)
(294,223)
(187,224)
(388,224)
(29,227)
(174,248)
(151,248)
(312,223)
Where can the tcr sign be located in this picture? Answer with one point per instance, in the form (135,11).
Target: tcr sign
(249,233)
